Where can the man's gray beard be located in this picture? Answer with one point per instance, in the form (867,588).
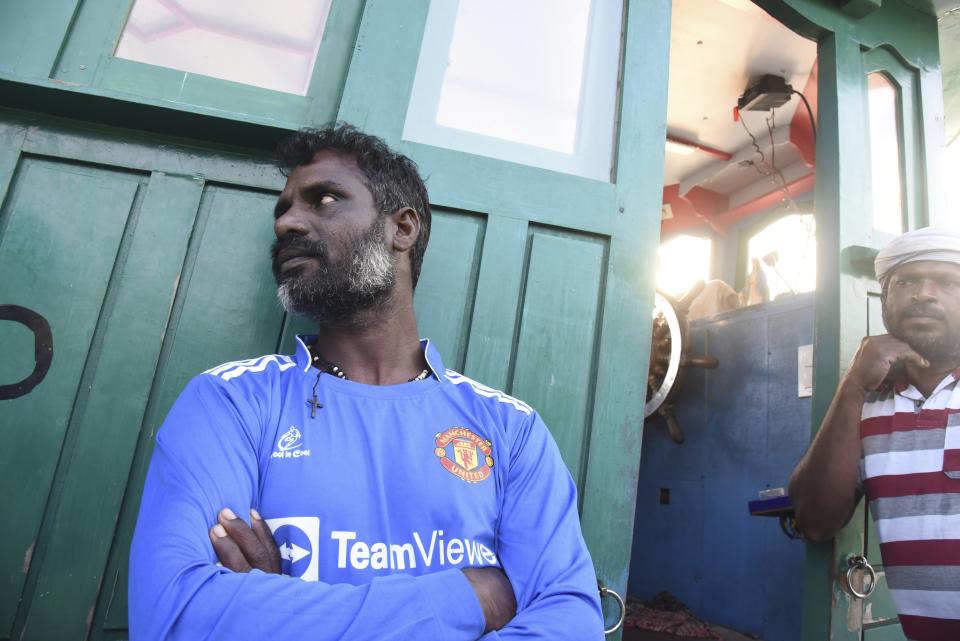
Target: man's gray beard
(342,294)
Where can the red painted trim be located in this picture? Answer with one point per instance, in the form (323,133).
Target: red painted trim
(797,187)
(704,208)
(699,208)
(801,134)
(713,151)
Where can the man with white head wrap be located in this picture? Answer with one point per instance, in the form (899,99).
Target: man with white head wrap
(892,433)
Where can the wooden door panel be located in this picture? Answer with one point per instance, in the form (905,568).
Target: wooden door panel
(225,309)
(448,279)
(62,224)
(496,302)
(557,341)
(107,417)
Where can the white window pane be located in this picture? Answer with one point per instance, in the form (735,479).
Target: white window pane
(885,154)
(271,45)
(786,251)
(532,82)
(681,262)
(952,169)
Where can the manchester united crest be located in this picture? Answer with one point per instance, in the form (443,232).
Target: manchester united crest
(464,454)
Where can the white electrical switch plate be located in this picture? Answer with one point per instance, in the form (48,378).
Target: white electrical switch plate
(805,371)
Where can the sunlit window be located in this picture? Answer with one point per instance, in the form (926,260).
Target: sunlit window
(682,261)
(786,252)
(885,154)
(951,169)
(266,44)
(533,82)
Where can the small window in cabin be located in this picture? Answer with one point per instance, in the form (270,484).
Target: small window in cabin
(681,262)
(532,82)
(265,44)
(882,99)
(952,168)
(783,256)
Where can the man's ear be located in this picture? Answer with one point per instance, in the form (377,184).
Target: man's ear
(405,225)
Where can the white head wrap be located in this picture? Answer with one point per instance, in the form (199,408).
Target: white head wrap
(928,243)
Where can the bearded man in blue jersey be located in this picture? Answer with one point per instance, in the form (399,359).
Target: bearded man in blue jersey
(356,489)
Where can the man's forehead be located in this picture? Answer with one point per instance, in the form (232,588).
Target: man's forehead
(329,160)
(927,267)
(328,166)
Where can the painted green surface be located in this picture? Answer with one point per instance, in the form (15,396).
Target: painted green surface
(225,309)
(73,43)
(108,413)
(445,292)
(554,359)
(100,247)
(60,271)
(31,34)
(496,303)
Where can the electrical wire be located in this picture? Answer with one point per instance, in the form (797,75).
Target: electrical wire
(771,125)
(813,124)
(763,159)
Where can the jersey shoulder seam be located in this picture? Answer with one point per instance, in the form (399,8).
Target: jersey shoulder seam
(487,392)
(234,369)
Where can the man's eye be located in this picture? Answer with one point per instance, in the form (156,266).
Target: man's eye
(325,199)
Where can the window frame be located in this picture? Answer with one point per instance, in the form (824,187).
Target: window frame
(87,59)
(594,142)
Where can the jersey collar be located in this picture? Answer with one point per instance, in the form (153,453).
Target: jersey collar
(430,354)
(907,390)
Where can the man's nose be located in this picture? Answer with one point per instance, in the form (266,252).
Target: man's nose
(926,289)
(290,222)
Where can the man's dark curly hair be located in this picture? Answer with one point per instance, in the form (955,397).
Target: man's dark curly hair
(392,178)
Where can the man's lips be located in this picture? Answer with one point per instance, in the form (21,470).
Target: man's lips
(292,261)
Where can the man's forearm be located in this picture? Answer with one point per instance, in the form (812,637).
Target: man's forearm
(823,486)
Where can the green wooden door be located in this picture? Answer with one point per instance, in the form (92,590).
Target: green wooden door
(149,263)
(147,257)
(857,40)
(549,297)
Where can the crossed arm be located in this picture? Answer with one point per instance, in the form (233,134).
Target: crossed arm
(206,459)
(242,548)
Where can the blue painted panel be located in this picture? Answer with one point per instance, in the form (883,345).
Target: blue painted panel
(745,429)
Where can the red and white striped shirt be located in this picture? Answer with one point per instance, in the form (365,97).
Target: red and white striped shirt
(910,469)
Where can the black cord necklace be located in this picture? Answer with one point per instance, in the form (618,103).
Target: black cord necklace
(324,365)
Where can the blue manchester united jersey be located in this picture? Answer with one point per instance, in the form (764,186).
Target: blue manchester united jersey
(377,497)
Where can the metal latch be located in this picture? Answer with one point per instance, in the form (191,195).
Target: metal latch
(605,591)
(856,563)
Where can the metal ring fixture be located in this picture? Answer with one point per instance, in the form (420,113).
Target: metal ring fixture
(605,591)
(859,562)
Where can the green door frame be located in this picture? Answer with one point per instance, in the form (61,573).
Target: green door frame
(845,233)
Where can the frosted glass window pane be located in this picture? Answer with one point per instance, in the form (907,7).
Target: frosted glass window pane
(885,154)
(533,82)
(681,262)
(265,44)
(787,252)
